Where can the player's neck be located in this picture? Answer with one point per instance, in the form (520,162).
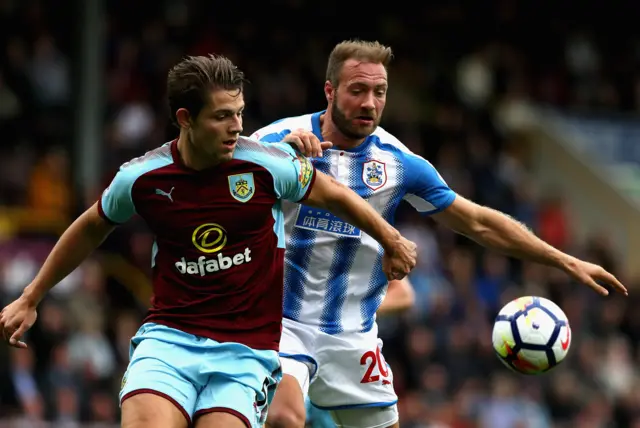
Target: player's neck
(330,132)
(191,157)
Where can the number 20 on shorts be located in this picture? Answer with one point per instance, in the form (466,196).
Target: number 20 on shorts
(371,360)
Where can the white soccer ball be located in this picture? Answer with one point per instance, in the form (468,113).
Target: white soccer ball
(531,335)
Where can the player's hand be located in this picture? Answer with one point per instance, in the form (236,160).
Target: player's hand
(307,143)
(399,259)
(16,319)
(590,274)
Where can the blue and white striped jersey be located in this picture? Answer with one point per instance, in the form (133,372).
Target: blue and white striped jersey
(333,271)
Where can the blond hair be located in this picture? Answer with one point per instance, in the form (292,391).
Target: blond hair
(360,50)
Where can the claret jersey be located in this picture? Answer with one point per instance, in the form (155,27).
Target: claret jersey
(219,237)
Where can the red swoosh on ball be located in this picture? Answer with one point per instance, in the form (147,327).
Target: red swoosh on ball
(565,343)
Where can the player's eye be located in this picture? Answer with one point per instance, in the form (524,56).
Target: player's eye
(227,115)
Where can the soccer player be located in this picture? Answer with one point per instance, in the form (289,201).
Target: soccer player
(333,281)
(207,350)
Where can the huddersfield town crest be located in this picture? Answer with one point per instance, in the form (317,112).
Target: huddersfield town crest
(374,174)
(241,186)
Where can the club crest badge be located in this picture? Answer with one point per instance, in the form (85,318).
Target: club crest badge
(241,186)
(306,171)
(374,174)
(124,381)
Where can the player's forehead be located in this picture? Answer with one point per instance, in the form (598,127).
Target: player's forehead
(364,73)
(222,99)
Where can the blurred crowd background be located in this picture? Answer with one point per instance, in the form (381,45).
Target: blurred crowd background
(458,66)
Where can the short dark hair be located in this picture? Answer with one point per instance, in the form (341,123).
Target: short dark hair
(190,82)
(360,50)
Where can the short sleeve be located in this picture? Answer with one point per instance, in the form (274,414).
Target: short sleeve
(116,204)
(294,175)
(426,190)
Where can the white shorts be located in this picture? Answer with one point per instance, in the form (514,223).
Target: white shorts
(341,373)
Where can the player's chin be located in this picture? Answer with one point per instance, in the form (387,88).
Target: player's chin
(225,154)
(364,127)
(226,157)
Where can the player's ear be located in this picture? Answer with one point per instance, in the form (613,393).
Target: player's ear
(183,117)
(328,91)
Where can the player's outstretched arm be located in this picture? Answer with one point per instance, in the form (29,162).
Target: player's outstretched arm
(74,246)
(497,231)
(400,253)
(400,297)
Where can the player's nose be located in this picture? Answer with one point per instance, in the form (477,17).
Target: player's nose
(236,126)
(368,103)
(236,130)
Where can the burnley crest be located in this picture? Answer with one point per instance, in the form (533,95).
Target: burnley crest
(241,186)
(374,174)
